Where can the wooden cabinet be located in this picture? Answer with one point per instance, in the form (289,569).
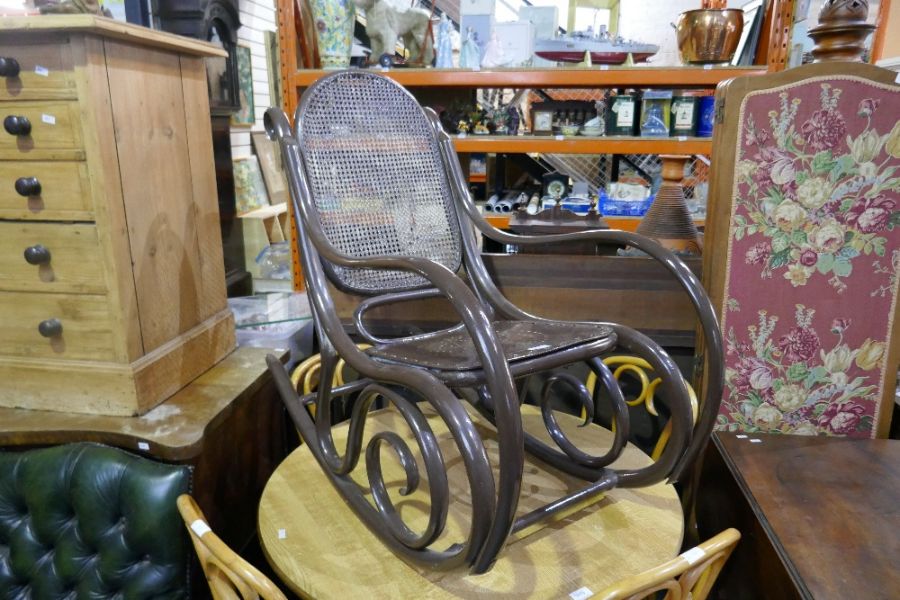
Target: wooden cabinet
(112,286)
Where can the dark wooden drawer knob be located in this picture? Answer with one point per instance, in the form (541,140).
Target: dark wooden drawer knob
(9,67)
(37,255)
(50,328)
(17,125)
(28,186)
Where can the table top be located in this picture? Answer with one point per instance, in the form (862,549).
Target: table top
(172,431)
(829,505)
(321,550)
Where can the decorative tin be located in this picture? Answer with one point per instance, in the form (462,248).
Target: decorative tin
(707,116)
(656,106)
(621,119)
(684,115)
(334,31)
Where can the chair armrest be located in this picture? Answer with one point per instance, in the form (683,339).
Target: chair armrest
(375,301)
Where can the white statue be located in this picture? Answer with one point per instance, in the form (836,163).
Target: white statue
(470,55)
(493,53)
(444,44)
(384,24)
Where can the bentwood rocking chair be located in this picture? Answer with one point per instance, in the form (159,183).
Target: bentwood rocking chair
(383,212)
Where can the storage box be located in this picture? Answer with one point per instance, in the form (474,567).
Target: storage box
(477,7)
(482,25)
(545,20)
(517,41)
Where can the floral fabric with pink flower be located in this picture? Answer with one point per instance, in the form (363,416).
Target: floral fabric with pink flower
(814,253)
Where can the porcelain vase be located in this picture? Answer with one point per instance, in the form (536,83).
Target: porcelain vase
(334,31)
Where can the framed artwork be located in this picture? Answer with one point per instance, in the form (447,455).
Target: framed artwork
(246,116)
(269,156)
(249,189)
(273,63)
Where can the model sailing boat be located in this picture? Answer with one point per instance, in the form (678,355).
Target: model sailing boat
(604,48)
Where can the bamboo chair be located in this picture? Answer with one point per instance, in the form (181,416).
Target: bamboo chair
(229,576)
(639,367)
(689,575)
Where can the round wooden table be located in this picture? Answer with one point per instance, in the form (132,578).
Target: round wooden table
(321,549)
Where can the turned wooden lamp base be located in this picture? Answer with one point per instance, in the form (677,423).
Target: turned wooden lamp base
(669,221)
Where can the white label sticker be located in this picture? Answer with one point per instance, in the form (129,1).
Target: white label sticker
(684,115)
(200,527)
(625,114)
(707,67)
(741,436)
(48,119)
(581,594)
(559,138)
(682,138)
(282,534)
(694,555)
(756,441)
(143,446)
(604,67)
(42,71)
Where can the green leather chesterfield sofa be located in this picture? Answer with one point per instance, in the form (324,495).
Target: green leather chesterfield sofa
(87,521)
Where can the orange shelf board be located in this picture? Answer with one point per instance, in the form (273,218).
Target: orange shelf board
(477,177)
(554,77)
(623,223)
(582,145)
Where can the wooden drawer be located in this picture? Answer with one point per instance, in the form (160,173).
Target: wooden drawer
(87,330)
(45,71)
(54,126)
(64,191)
(75,263)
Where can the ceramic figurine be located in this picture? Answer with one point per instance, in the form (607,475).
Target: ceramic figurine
(470,55)
(384,24)
(444,58)
(513,120)
(493,53)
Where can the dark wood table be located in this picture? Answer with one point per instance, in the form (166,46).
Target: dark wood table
(820,517)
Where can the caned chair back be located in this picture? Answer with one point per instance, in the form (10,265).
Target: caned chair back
(803,249)
(376,180)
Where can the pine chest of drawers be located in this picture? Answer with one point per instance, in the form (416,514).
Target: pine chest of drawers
(112,285)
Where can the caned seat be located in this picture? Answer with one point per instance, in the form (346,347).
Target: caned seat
(454,350)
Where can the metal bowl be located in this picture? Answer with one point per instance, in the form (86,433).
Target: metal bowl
(709,35)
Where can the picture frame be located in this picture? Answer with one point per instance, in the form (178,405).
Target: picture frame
(249,188)
(269,156)
(273,64)
(246,116)
(754,13)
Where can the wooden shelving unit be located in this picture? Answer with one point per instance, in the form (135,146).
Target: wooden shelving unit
(772,52)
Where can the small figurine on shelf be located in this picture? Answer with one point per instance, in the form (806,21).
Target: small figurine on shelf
(513,120)
(493,53)
(470,55)
(462,126)
(444,44)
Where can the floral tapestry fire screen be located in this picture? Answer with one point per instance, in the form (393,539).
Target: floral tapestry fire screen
(814,248)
